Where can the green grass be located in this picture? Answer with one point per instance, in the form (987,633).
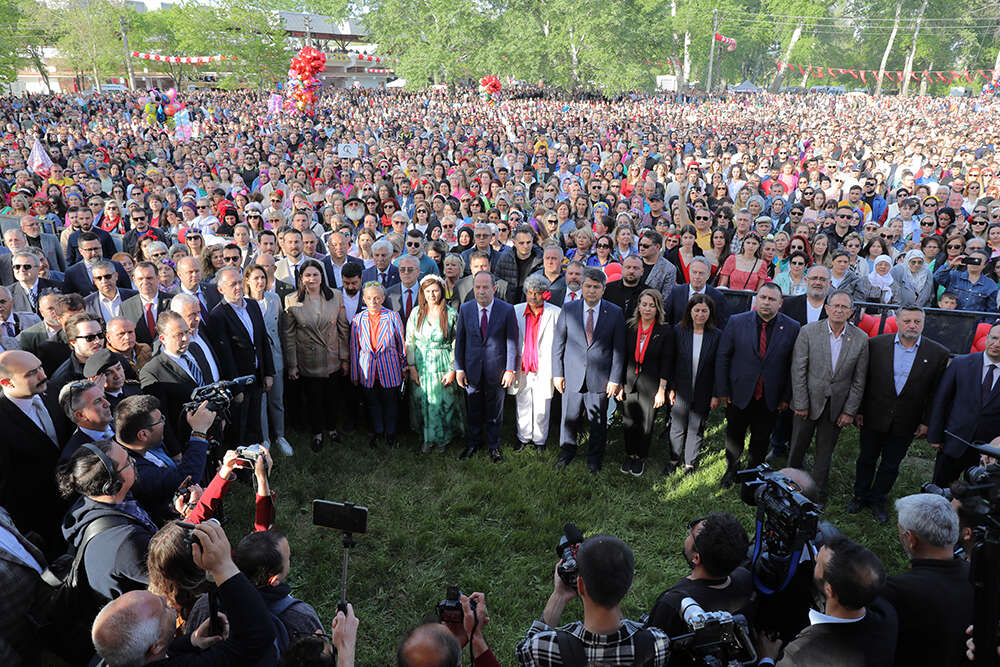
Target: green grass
(435,521)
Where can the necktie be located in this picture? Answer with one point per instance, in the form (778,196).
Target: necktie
(150,321)
(758,391)
(44,420)
(33,300)
(193,369)
(483,322)
(988,382)
(201,304)
(382,278)
(572,296)
(409,303)
(9,328)
(590,325)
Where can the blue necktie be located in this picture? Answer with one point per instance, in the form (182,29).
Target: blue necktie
(193,369)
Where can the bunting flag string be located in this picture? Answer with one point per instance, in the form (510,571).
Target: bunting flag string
(934,76)
(728,41)
(186,60)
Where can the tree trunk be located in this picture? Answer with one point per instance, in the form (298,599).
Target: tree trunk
(574,59)
(888,48)
(924,81)
(687,58)
(908,67)
(776,84)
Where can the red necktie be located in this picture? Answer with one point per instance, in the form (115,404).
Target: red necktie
(150,322)
(483,322)
(572,296)
(409,302)
(590,325)
(758,391)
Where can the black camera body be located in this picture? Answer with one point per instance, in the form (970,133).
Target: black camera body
(566,550)
(786,522)
(450,608)
(219,395)
(980,481)
(716,637)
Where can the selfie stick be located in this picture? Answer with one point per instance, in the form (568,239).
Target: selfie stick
(348,543)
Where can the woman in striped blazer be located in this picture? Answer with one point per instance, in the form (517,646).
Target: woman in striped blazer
(378,357)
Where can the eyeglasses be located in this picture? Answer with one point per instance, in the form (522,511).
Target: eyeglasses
(955,246)
(90,338)
(125,466)
(106,276)
(799,263)
(229,259)
(413,244)
(644,246)
(407,269)
(153,425)
(140,218)
(22,267)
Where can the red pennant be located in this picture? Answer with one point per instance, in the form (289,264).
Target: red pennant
(863,80)
(968,77)
(983,74)
(927,75)
(852,73)
(819,72)
(941,77)
(832,72)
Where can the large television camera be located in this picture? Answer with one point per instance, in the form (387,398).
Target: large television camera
(717,638)
(218,394)
(786,523)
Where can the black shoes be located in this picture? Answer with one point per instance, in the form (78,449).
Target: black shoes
(594,469)
(638,467)
(467,453)
(333,435)
(561,463)
(878,511)
(670,468)
(539,448)
(496,456)
(317,442)
(519,446)
(854,506)
(626,468)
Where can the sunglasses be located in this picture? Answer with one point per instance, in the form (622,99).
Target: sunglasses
(797,263)
(413,244)
(22,267)
(106,276)
(702,217)
(90,338)
(230,259)
(644,246)
(604,246)
(954,246)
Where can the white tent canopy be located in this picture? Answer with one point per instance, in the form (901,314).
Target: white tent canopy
(745,87)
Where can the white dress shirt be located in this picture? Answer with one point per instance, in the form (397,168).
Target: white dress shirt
(111,307)
(836,342)
(241,312)
(351,304)
(597,312)
(207,351)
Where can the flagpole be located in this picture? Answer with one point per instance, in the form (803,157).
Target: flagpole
(711,51)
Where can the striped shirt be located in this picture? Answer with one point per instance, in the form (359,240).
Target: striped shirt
(540,647)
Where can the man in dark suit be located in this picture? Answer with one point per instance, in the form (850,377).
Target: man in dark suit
(190,276)
(29,450)
(85,404)
(904,371)
(809,307)
(464,287)
(47,243)
(485,352)
(383,272)
(699,271)
(107,301)
(752,376)
(21,583)
(85,219)
(588,367)
(625,292)
(967,404)
(144,307)
(46,340)
(174,373)
(338,245)
(934,597)
(402,298)
(78,278)
(856,627)
(28,287)
(237,326)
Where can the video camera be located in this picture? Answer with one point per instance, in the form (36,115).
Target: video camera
(218,394)
(566,551)
(450,608)
(786,522)
(716,637)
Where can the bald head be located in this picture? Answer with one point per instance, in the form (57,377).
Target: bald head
(804,481)
(133,629)
(430,645)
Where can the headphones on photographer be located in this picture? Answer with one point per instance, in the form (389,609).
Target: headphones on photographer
(114,482)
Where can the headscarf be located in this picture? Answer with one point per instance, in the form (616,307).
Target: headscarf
(917,279)
(883,283)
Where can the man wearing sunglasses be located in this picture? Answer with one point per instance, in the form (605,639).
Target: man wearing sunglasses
(28,287)
(85,335)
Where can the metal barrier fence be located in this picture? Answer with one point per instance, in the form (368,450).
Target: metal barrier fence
(955,329)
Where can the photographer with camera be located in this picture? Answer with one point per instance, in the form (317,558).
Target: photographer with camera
(138,627)
(606,567)
(853,626)
(934,597)
(463,618)
(198,505)
(714,548)
(139,425)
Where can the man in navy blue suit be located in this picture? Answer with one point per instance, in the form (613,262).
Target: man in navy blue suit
(485,352)
(967,404)
(752,376)
(588,366)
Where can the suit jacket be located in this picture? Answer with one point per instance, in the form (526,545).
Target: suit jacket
(20,296)
(6,268)
(78,279)
(900,414)
(93,304)
(154,487)
(236,353)
(35,339)
(53,251)
(494,256)
(386,360)
(870,642)
(165,379)
(27,480)
(394,301)
(959,406)
(133,310)
(738,364)
(20,584)
(658,364)
(210,297)
(77,439)
(316,340)
(677,303)
(813,378)
(108,247)
(22,322)
(484,360)
(795,308)
(541,379)
(662,277)
(282,271)
(589,368)
(464,290)
(695,386)
(371,275)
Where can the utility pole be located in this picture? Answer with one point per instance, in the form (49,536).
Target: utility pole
(128,54)
(711,50)
(308,19)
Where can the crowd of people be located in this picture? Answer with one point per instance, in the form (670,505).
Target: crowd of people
(543,247)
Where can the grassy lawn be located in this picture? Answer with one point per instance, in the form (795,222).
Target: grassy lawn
(435,521)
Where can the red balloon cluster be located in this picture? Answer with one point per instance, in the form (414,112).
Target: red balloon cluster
(490,84)
(300,91)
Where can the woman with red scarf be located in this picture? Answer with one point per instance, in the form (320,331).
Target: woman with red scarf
(649,345)
(111,219)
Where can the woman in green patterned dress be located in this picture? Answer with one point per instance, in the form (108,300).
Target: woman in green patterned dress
(436,404)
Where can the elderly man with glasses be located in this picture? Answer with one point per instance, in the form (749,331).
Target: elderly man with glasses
(107,301)
(28,287)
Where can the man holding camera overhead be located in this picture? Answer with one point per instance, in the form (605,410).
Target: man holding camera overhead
(606,566)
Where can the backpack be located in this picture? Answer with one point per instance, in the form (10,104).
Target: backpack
(572,651)
(277,608)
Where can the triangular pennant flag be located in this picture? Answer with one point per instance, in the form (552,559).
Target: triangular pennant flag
(819,72)
(832,72)
(863,80)
(852,73)
(38,160)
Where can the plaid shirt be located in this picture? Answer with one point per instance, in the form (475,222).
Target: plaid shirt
(540,647)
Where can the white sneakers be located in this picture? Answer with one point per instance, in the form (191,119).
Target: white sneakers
(284,446)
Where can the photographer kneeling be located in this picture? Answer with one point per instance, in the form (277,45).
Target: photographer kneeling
(606,566)
(714,548)
(138,628)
